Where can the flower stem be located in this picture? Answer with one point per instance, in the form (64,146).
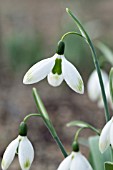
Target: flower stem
(83,125)
(95,60)
(30,115)
(111,83)
(69,33)
(47,121)
(77,134)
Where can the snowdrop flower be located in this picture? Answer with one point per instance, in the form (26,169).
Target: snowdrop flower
(106,137)
(24,148)
(108,95)
(93,87)
(75,161)
(57,69)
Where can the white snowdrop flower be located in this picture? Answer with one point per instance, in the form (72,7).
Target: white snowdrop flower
(93,87)
(108,95)
(75,161)
(23,147)
(106,137)
(25,153)
(57,69)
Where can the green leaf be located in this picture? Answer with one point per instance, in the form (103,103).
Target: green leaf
(108,166)
(108,54)
(83,32)
(98,159)
(83,125)
(111,82)
(95,60)
(42,110)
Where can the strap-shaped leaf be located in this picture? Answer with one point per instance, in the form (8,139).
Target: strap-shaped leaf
(98,159)
(108,166)
(83,125)
(42,110)
(79,25)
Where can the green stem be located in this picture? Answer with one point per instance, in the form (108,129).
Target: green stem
(68,33)
(111,83)
(82,124)
(107,114)
(95,60)
(77,134)
(47,121)
(95,130)
(111,153)
(30,115)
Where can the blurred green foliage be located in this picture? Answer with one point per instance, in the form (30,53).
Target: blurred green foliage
(23,51)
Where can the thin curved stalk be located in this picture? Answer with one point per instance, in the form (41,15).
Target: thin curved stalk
(95,60)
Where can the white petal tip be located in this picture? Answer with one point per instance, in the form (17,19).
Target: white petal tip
(3,165)
(27,78)
(54,79)
(80,87)
(27,164)
(102,148)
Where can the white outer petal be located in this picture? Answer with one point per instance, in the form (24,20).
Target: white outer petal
(54,79)
(107,91)
(65,164)
(104,140)
(108,95)
(39,71)
(25,154)
(100,102)
(9,154)
(72,76)
(93,86)
(79,162)
(111,134)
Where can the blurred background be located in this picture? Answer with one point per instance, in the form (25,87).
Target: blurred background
(29,32)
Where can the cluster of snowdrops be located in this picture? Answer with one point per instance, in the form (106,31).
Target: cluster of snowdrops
(57,69)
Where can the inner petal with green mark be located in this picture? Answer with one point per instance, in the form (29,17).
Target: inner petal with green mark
(27,164)
(57,67)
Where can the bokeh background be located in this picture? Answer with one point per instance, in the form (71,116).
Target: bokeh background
(29,32)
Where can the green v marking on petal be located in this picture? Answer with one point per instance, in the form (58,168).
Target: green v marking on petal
(57,67)
(27,164)
(79,85)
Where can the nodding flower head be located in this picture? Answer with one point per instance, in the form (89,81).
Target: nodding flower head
(93,87)
(75,161)
(23,147)
(57,69)
(106,137)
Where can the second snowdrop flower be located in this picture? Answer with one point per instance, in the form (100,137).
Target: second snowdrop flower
(93,87)
(57,69)
(75,161)
(23,147)
(106,137)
